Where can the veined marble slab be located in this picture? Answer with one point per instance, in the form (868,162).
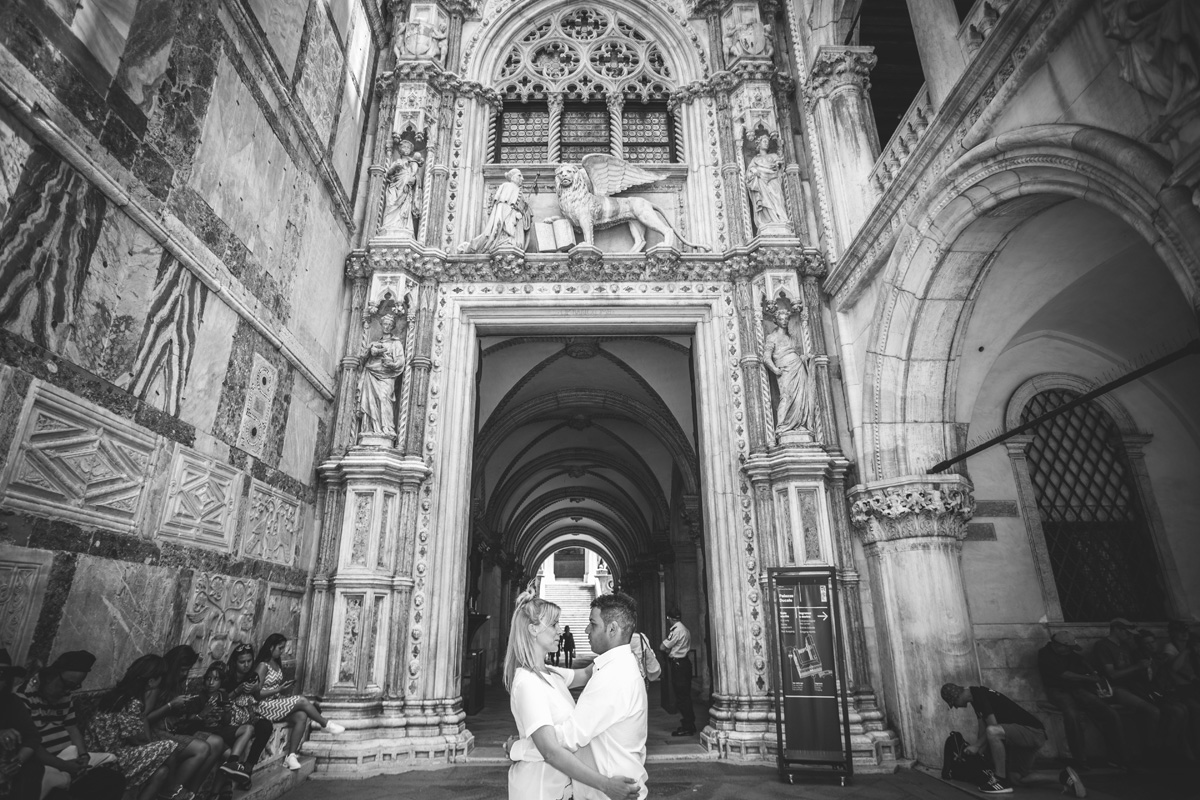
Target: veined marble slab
(322,77)
(283,23)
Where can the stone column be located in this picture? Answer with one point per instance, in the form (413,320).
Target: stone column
(555,102)
(838,97)
(616,125)
(912,529)
(935,26)
(737,210)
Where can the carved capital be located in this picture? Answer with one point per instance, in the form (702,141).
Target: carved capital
(359,265)
(836,67)
(912,507)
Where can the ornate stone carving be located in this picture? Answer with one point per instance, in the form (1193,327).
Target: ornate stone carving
(508,224)
(351,632)
(282,615)
(79,462)
(745,35)
(402,192)
(785,355)
(23,574)
(256,413)
(382,366)
(201,505)
(835,67)
(220,613)
(423,37)
(764,182)
(273,530)
(583,199)
(912,509)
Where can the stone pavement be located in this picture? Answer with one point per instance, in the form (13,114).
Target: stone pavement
(723,780)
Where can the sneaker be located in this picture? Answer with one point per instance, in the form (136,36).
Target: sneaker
(333,727)
(997,786)
(292,762)
(1071,782)
(684,732)
(233,767)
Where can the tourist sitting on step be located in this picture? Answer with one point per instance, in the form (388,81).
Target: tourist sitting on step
(239,683)
(1179,668)
(1073,686)
(1114,655)
(1173,708)
(277,705)
(119,726)
(170,701)
(48,697)
(211,710)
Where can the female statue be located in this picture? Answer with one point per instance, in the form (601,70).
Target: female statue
(793,370)
(402,194)
(764,180)
(382,365)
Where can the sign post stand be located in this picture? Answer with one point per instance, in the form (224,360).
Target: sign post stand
(811,712)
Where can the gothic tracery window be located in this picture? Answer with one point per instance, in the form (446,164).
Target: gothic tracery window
(601,83)
(1097,538)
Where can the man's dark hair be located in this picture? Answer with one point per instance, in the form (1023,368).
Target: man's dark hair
(619,608)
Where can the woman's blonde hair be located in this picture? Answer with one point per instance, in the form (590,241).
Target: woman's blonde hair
(530,609)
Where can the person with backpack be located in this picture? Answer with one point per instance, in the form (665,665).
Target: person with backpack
(1008,734)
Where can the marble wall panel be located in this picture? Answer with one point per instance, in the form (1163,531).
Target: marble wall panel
(47,239)
(103,27)
(359,49)
(245,175)
(79,462)
(340,11)
(148,52)
(282,613)
(349,136)
(256,413)
(23,574)
(219,613)
(274,525)
(299,442)
(249,346)
(201,504)
(319,282)
(116,295)
(16,145)
(210,361)
(118,610)
(283,23)
(321,79)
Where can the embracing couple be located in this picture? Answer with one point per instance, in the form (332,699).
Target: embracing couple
(590,751)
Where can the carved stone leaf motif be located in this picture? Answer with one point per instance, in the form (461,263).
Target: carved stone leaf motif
(351,631)
(362,524)
(274,529)
(16,599)
(81,463)
(219,614)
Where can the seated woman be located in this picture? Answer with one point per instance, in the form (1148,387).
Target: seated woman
(120,727)
(276,705)
(541,698)
(212,711)
(167,705)
(240,682)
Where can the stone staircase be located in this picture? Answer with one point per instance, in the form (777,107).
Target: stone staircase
(575,600)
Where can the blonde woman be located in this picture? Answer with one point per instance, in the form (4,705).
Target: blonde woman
(540,699)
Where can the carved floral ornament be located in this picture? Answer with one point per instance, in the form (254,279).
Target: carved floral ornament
(836,67)
(912,510)
(585,54)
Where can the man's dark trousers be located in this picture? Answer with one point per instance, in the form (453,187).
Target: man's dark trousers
(1074,703)
(681,683)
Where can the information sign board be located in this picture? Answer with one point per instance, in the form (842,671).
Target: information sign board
(814,725)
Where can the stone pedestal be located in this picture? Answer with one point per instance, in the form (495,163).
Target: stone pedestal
(912,530)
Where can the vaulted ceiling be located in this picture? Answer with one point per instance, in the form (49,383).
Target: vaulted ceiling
(583,441)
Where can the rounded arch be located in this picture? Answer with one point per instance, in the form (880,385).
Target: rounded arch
(908,407)
(680,42)
(1065,380)
(624,520)
(561,539)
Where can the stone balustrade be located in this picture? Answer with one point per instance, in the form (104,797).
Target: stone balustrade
(904,141)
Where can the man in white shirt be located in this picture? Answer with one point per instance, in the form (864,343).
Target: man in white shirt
(612,711)
(676,645)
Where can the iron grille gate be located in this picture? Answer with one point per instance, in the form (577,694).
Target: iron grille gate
(1100,548)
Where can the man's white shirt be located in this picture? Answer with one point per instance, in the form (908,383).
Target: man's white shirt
(611,715)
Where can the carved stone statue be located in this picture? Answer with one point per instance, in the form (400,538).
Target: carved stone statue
(382,365)
(590,209)
(1161,52)
(402,193)
(764,181)
(508,224)
(785,358)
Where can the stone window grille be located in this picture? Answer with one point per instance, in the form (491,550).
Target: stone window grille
(585,81)
(1080,481)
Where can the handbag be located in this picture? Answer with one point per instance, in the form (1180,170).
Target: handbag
(647,662)
(959,765)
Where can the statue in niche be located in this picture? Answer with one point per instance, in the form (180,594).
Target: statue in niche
(1160,52)
(764,181)
(402,193)
(508,224)
(382,366)
(784,356)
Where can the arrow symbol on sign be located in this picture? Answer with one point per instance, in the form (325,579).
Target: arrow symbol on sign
(824,616)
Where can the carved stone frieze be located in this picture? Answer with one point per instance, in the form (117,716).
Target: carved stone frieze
(273,525)
(23,574)
(220,613)
(79,462)
(432,73)
(909,509)
(201,505)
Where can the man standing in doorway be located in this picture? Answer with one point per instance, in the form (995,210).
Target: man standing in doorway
(612,711)
(676,646)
